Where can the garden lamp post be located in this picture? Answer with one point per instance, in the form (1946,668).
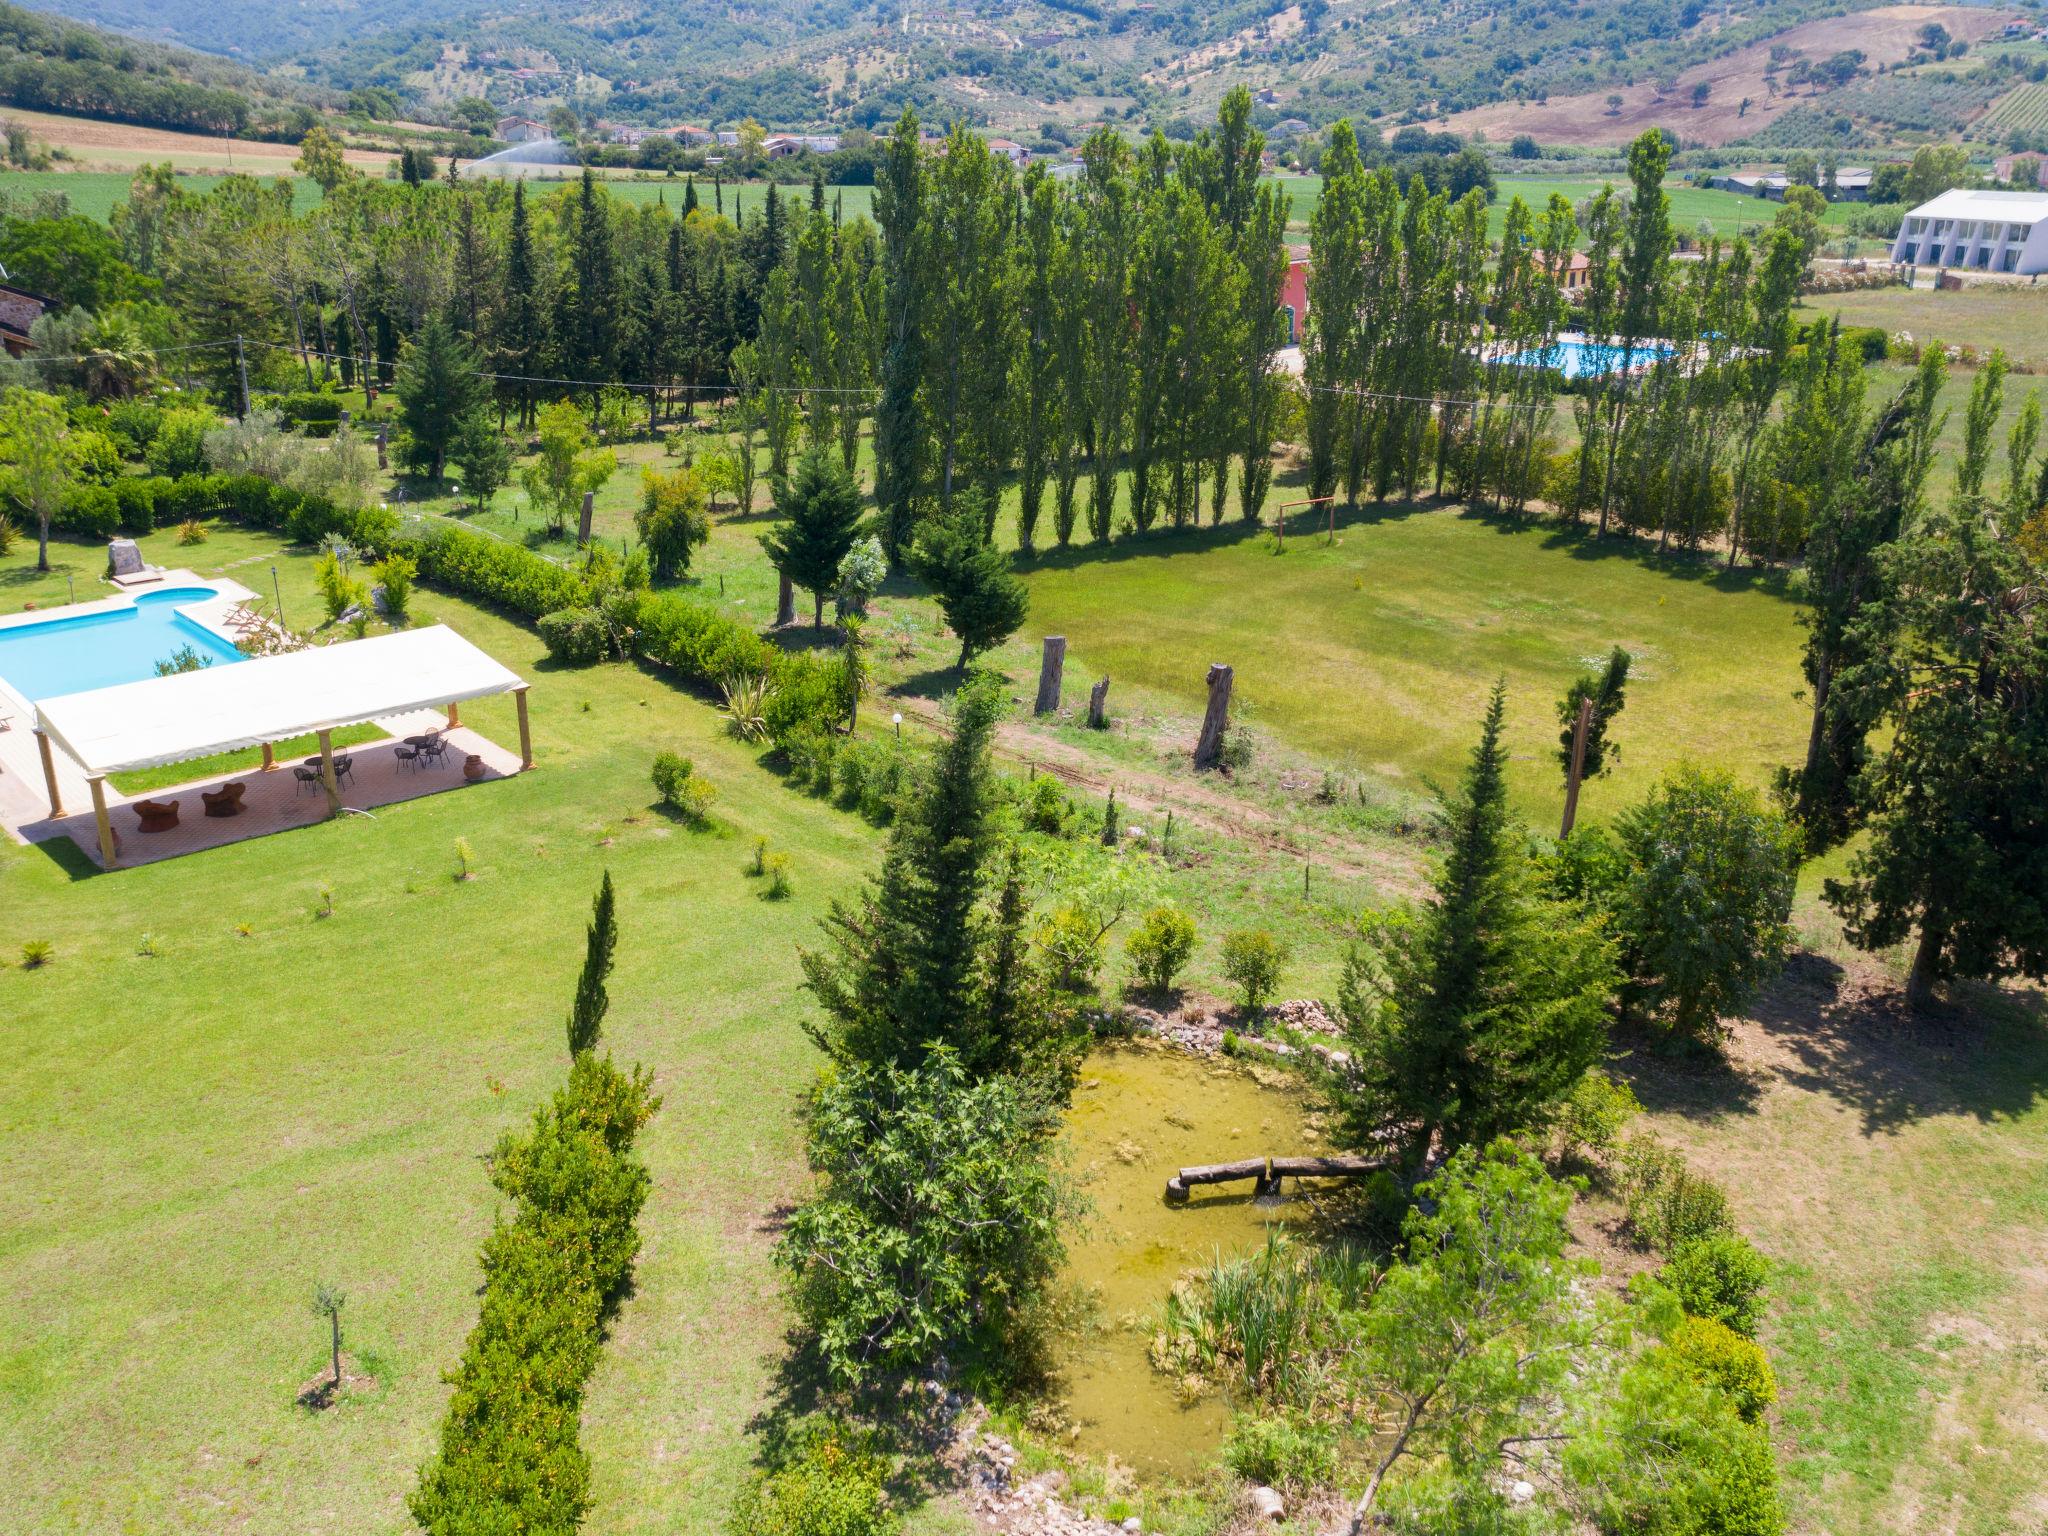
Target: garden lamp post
(897,721)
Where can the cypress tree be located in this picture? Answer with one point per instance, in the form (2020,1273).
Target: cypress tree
(984,601)
(521,317)
(438,386)
(690,195)
(1479,1017)
(586,1014)
(821,506)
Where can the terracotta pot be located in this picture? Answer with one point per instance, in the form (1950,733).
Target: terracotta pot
(472,767)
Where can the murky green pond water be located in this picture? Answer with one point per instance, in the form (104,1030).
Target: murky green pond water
(1141,1113)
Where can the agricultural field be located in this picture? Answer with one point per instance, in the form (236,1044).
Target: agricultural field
(96,145)
(2024,109)
(96,193)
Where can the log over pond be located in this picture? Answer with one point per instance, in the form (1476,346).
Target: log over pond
(1267,1172)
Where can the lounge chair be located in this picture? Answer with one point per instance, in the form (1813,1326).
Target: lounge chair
(157,815)
(225,801)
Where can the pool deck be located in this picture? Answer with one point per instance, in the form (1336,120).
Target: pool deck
(274,801)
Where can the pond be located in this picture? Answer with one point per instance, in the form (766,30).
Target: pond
(1142,1112)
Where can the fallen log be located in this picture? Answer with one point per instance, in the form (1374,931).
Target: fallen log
(1267,1172)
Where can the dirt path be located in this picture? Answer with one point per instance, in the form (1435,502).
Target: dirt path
(1210,806)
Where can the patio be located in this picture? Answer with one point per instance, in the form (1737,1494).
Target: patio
(408,685)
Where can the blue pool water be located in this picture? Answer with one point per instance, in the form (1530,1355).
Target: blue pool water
(1589,359)
(98,650)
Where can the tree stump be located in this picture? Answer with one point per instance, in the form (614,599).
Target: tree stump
(785,603)
(383,441)
(1216,720)
(1098,699)
(583,523)
(1052,666)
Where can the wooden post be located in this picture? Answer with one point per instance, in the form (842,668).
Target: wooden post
(383,433)
(525,730)
(1052,664)
(99,814)
(1216,720)
(455,715)
(1098,701)
(327,780)
(583,523)
(50,776)
(1580,729)
(785,603)
(269,757)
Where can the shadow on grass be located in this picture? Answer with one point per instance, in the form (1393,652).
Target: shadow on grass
(1983,1054)
(69,858)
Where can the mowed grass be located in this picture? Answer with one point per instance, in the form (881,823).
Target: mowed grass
(1985,315)
(192,1142)
(95,193)
(1376,653)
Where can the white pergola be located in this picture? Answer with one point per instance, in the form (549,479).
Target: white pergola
(265,700)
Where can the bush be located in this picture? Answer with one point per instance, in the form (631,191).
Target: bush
(1667,1203)
(314,412)
(1252,958)
(693,800)
(1713,1353)
(1047,808)
(89,511)
(577,636)
(1596,1113)
(1160,946)
(1720,1277)
(178,446)
(780,887)
(831,1485)
(671,772)
(1280,1452)
(137,497)
(133,424)
(868,775)
(1072,940)
(395,573)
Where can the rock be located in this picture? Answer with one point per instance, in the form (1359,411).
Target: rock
(1522,1492)
(1268,1505)
(1134,1525)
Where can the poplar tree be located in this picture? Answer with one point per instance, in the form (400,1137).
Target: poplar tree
(1039,366)
(1109,225)
(900,192)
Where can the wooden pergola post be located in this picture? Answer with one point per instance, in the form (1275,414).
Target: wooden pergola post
(269,757)
(455,715)
(50,776)
(327,780)
(98,782)
(525,731)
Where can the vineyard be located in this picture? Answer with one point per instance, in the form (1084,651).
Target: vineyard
(1936,102)
(2024,110)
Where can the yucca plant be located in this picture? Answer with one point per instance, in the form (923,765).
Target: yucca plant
(37,953)
(746,705)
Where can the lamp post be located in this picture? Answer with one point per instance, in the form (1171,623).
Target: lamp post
(897,721)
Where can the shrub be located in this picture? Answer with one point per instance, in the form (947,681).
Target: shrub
(1720,1277)
(1667,1203)
(1072,939)
(746,704)
(809,752)
(868,776)
(133,424)
(760,864)
(830,1485)
(671,772)
(191,531)
(1160,946)
(395,573)
(90,511)
(693,800)
(1280,1451)
(1713,1353)
(1252,958)
(178,445)
(1596,1113)
(1047,808)
(137,497)
(780,887)
(577,636)
(37,953)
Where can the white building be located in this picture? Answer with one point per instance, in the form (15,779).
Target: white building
(1981,231)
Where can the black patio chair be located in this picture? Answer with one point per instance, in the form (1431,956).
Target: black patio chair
(308,778)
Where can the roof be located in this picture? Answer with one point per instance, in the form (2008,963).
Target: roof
(269,698)
(2003,207)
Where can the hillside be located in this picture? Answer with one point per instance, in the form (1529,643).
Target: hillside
(1746,89)
(1013,65)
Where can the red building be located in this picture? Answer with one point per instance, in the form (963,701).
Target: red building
(1294,294)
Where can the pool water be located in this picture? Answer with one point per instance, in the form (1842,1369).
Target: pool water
(1589,359)
(100,650)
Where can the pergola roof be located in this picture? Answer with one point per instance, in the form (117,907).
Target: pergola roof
(269,698)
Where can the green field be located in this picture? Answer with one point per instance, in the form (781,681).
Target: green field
(1983,316)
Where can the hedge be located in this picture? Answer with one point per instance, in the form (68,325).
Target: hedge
(509,1458)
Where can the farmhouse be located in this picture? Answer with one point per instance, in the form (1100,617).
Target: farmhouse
(1294,293)
(521,130)
(1980,230)
(19,309)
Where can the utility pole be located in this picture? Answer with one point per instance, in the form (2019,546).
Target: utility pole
(242,368)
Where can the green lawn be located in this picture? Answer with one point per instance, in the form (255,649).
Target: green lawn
(1984,316)
(94,193)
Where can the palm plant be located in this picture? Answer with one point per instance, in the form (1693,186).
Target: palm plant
(746,705)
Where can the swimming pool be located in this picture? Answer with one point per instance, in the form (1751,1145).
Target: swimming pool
(115,645)
(1577,359)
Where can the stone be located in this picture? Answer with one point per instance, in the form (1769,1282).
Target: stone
(1522,1492)
(124,558)
(1267,1504)
(1134,1525)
